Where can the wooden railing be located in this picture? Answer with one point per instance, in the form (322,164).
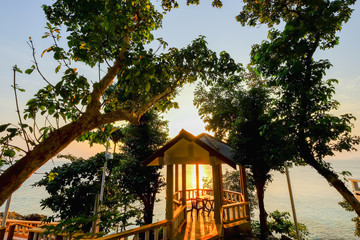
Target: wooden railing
(38,234)
(234,212)
(232,197)
(355,184)
(234,208)
(192,193)
(176,204)
(147,230)
(20,228)
(178,220)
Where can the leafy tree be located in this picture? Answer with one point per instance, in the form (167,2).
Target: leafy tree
(242,113)
(305,98)
(73,187)
(110,33)
(280,223)
(139,142)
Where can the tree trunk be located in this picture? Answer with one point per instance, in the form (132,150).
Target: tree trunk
(264,229)
(307,155)
(148,212)
(15,175)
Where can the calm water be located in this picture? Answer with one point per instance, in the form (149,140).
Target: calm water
(315,201)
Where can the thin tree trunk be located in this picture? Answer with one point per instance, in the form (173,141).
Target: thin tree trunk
(264,229)
(330,176)
(148,213)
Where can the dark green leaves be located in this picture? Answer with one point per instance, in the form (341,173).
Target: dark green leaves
(3,127)
(97,28)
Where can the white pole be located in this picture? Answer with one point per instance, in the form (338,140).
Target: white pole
(292,203)
(6,212)
(103,176)
(98,200)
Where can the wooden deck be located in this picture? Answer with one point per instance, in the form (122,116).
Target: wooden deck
(198,227)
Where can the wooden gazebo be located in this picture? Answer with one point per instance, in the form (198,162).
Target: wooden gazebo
(231,209)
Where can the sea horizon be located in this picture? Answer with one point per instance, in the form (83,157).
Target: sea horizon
(315,201)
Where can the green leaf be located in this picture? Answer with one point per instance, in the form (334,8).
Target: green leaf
(57,68)
(147,86)
(9,153)
(29,71)
(3,127)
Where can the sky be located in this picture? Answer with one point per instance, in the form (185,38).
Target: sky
(20,19)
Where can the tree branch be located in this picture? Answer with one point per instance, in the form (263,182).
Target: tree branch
(18,112)
(31,45)
(99,88)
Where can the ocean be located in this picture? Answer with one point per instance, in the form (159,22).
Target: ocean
(315,201)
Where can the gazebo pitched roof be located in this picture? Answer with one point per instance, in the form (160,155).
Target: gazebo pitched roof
(206,142)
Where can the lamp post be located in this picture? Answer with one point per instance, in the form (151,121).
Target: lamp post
(99,198)
(292,202)
(6,212)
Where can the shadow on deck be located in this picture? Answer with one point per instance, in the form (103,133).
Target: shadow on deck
(199,227)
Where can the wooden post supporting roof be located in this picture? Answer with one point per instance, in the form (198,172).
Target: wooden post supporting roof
(169,197)
(176,178)
(183,187)
(218,191)
(197,180)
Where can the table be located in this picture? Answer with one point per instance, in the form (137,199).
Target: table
(208,203)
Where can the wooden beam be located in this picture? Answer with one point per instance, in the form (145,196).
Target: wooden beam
(177,178)
(169,197)
(218,192)
(197,180)
(183,187)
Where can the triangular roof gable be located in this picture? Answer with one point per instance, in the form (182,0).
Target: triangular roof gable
(203,140)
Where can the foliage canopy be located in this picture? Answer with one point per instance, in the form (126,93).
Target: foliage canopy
(114,35)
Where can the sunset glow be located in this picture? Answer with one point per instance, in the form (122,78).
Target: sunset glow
(204,172)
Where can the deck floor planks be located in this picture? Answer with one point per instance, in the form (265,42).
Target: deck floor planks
(198,227)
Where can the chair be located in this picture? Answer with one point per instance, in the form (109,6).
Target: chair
(196,204)
(208,206)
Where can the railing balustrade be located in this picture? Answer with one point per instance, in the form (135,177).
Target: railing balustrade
(234,212)
(356,188)
(192,193)
(147,230)
(179,219)
(20,228)
(232,197)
